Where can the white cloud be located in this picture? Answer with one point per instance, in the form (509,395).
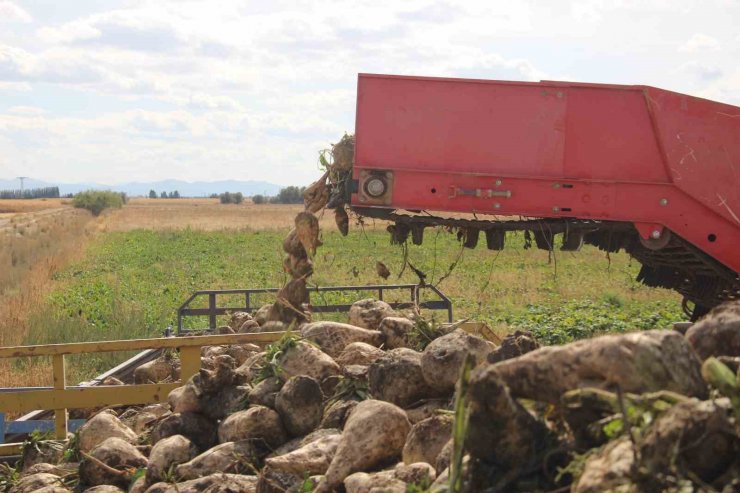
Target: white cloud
(10,12)
(15,86)
(702,70)
(700,43)
(70,32)
(252,90)
(26,110)
(726,89)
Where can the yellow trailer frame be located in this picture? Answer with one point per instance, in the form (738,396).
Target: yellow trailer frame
(60,398)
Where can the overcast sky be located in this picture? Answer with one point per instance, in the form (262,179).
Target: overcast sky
(117,90)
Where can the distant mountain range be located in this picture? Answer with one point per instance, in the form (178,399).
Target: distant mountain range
(185,188)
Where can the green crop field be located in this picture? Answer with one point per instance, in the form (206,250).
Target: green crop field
(131,283)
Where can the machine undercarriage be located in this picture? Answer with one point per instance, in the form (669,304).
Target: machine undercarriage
(669,262)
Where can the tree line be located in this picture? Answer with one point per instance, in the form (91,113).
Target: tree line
(31,193)
(164,195)
(287,195)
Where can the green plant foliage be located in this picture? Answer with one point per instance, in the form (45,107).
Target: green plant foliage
(72,450)
(424,332)
(140,473)
(580,319)
(349,388)
(289,195)
(231,198)
(273,353)
(420,487)
(96,201)
(460,426)
(9,475)
(719,376)
(32,193)
(306,485)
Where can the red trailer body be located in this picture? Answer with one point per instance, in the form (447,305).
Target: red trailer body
(666,162)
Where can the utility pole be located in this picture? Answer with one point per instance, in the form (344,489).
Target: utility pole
(21,178)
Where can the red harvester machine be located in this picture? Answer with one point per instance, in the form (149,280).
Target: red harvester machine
(650,171)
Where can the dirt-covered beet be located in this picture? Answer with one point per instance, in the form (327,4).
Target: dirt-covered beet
(221,482)
(100,427)
(369,313)
(359,353)
(336,414)
(636,362)
(397,332)
(166,454)
(264,393)
(306,359)
(313,458)
(397,377)
(333,337)
(427,438)
(236,457)
(197,428)
(299,403)
(444,356)
(718,333)
(257,422)
(374,433)
(110,462)
(506,434)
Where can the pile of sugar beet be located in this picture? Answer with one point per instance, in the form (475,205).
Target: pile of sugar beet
(357,407)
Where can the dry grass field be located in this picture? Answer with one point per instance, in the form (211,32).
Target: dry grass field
(22,214)
(202,215)
(33,248)
(13,206)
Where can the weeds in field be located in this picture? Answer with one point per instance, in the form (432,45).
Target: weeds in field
(460,426)
(424,332)
(350,388)
(9,475)
(579,319)
(72,451)
(273,353)
(306,485)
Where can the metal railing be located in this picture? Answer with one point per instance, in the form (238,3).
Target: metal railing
(61,397)
(214,309)
(29,426)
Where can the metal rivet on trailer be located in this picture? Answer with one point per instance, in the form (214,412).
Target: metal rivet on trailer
(663,202)
(556,209)
(496,205)
(556,185)
(498,183)
(655,234)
